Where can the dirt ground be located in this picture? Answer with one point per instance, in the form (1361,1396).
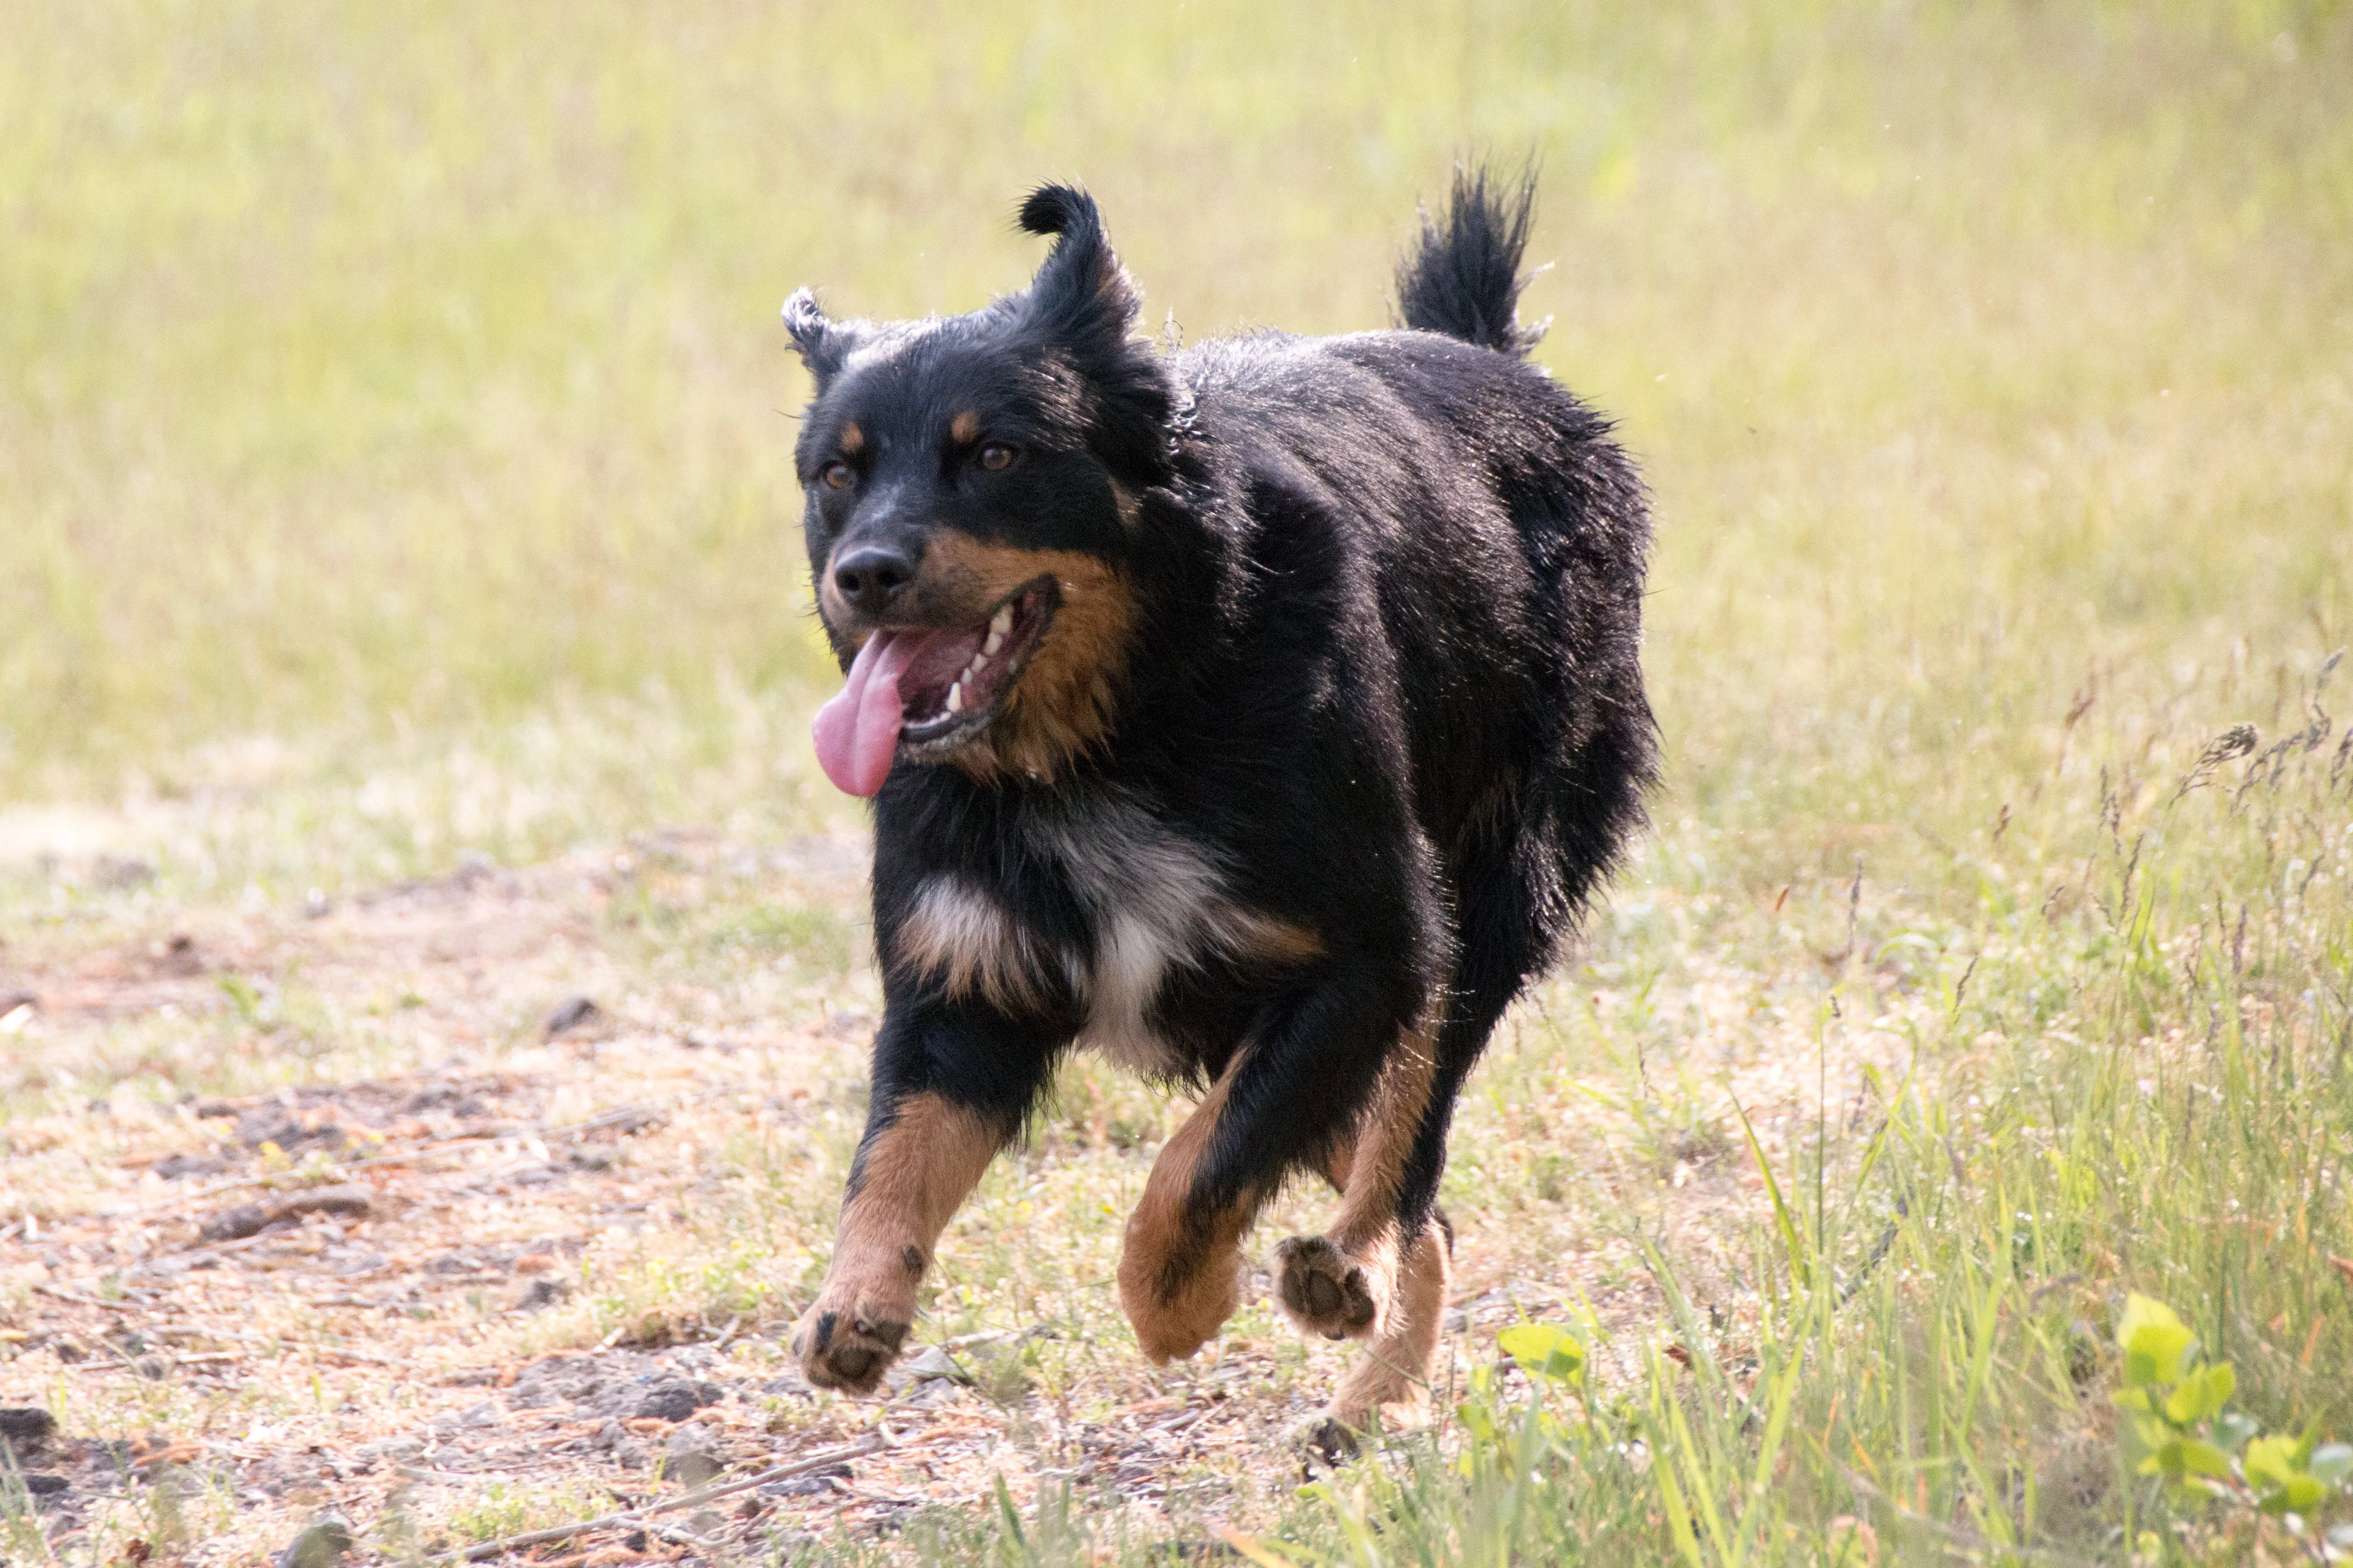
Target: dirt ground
(516,1240)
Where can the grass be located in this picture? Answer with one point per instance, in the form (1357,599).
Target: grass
(393,470)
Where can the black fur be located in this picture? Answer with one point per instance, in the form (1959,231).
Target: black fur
(1382,681)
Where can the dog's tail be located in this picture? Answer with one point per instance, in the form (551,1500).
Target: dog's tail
(1461,276)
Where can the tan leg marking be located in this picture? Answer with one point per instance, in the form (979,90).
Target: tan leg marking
(1395,1379)
(1180,1276)
(1340,1284)
(907,1183)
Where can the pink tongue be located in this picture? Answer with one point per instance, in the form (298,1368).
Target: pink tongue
(858,732)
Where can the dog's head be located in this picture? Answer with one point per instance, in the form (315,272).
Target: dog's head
(971,488)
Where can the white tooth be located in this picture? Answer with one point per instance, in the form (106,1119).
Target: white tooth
(955,697)
(1001,622)
(996,640)
(979,663)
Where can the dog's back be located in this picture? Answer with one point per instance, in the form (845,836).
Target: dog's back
(1502,535)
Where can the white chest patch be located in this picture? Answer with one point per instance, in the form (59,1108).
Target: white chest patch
(1153,903)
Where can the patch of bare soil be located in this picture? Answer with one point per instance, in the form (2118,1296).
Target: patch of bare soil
(392,1298)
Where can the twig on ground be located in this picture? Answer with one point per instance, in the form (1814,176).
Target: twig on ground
(488,1550)
(80,1300)
(174,1358)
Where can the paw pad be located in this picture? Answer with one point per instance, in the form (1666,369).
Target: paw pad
(1324,1293)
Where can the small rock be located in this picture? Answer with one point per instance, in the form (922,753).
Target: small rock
(26,1425)
(321,1545)
(813,1483)
(119,873)
(41,1483)
(577,1012)
(398,1451)
(542,1293)
(677,1401)
(179,1167)
(235,1223)
(695,1468)
(252,1219)
(351,1202)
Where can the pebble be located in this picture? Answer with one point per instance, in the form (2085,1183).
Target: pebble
(677,1401)
(252,1219)
(26,1424)
(572,1015)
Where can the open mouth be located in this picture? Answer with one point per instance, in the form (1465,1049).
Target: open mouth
(955,681)
(924,690)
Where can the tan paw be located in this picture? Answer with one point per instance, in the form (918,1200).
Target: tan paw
(1323,1292)
(1173,1325)
(847,1343)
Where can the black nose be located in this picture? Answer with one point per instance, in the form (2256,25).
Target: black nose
(870,576)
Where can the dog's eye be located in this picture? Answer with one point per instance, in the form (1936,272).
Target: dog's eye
(838,476)
(996,456)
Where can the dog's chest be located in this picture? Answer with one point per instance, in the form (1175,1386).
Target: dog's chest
(1153,903)
(1150,903)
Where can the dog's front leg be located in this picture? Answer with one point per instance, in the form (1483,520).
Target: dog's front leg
(946,1099)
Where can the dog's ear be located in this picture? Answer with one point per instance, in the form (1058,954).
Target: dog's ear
(1082,295)
(824,344)
(1083,304)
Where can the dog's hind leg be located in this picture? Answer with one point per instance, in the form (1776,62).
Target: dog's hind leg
(1341,1284)
(1179,1272)
(1392,1382)
(1287,1100)
(1395,1379)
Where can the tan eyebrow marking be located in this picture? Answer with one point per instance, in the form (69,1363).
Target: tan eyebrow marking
(853,439)
(966,426)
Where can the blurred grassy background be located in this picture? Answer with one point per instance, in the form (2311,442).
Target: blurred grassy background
(374,379)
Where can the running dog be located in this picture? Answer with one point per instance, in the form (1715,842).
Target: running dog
(1260,716)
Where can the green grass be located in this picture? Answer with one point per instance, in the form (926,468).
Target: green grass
(394,435)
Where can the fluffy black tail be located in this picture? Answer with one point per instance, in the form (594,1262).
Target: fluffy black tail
(1461,276)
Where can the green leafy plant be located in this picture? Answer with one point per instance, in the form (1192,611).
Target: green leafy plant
(2179,1426)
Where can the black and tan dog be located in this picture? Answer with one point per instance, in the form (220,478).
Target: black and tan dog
(1260,716)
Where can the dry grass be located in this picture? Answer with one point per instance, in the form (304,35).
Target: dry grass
(397,601)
